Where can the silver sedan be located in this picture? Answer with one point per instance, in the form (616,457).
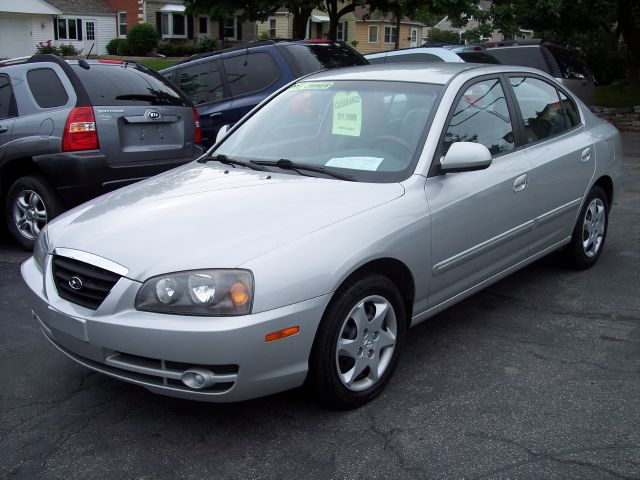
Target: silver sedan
(348,207)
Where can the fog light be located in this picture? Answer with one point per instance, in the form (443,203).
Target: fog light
(198,378)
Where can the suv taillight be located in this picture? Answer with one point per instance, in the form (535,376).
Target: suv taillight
(196,121)
(80,131)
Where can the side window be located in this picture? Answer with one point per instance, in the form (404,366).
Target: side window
(6,98)
(541,109)
(482,116)
(202,82)
(570,110)
(47,88)
(250,73)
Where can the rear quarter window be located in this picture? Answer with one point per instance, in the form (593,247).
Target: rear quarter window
(202,82)
(571,65)
(7,103)
(127,84)
(46,88)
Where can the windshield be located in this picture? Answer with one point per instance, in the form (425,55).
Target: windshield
(370,130)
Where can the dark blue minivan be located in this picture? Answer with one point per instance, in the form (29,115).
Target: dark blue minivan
(226,84)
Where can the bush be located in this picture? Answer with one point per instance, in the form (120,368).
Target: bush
(69,50)
(207,45)
(47,48)
(142,39)
(443,36)
(118,46)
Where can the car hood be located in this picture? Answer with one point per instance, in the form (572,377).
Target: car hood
(203,216)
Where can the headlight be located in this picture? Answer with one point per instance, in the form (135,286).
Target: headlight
(40,249)
(199,292)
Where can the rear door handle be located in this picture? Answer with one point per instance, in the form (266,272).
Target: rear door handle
(215,115)
(586,155)
(3,129)
(520,183)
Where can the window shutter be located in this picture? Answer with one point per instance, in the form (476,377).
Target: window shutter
(55,29)
(238,29)
(221,28)
(158,23)
(189,26)
(79,28)
(345,33)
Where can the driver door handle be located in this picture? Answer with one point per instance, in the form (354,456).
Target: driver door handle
(586,155)
(520,183)
(3,129)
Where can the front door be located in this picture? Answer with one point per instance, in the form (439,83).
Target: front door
(7,112)
(90,43)
(481,220)
(414,38)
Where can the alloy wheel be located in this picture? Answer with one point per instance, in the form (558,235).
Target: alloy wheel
(29,214)
(593,227)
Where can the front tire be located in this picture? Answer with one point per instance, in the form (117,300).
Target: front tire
(358,342)
(30,204)
(590,231)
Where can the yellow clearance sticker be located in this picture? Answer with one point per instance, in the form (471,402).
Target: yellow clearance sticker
(347,114)
(311,86)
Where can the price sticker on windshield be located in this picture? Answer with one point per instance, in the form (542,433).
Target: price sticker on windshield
(347,114)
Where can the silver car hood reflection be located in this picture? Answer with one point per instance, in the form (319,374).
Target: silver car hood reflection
(204,216)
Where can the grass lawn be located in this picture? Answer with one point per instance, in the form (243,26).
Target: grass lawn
(617,94)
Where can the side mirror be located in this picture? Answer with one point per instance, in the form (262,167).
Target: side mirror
(465,157)
(222,132)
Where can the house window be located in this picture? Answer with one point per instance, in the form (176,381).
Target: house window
(390,34)
(91,30)
(203,25)
(173,25)
(373,34)
(272,27)
(340,32)
(230,25)
(69,29)
(122,24)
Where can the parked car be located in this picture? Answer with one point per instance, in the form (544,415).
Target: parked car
(563,64)
(352,205)
(225,85)
(473,53)
(72,130)
(414,55)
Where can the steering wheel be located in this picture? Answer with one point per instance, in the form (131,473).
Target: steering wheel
(383,141)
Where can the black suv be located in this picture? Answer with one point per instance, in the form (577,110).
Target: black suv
(553,58)
(226,84)
(72,130)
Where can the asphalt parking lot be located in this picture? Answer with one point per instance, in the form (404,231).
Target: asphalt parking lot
(536,377)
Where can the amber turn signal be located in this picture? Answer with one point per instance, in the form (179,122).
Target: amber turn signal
(287,332)
(239,294)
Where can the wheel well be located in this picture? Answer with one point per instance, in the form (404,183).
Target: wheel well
(606,185)
(397,272)
(14,169)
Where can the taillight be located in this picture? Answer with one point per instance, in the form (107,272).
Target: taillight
(196,121)
(80,131)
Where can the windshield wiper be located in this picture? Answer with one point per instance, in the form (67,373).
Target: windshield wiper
(285,164)
(233,162)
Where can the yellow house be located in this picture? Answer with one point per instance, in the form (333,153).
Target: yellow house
(366,32)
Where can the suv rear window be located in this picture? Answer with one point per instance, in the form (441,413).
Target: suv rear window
(522,56)
(126,84)
(312,57)
(571,65)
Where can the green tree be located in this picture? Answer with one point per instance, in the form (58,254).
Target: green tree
(443,36)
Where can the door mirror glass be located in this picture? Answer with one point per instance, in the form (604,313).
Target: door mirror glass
(222,132)
(465,157)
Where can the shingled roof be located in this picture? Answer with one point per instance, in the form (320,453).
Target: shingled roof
(81,7)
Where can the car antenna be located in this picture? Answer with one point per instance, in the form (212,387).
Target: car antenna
(82,63)
(246,55)
(90,50)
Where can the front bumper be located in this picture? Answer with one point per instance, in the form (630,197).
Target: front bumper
(153,350)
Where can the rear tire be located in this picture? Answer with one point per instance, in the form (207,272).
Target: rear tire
(590,231)
(358,342)
(31,203)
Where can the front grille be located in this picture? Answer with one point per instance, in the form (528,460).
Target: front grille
(94,284)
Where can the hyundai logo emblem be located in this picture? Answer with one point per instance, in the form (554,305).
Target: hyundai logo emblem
(153,115)
(75,283)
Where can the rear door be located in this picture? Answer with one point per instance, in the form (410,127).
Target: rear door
(202,82)
(562,155)
(7,112)
(140,117)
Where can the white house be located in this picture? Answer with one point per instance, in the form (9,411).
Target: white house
(26,23)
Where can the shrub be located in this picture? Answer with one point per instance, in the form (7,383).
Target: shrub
(69,50)
(176,50)
(207,45)
(47,48)
(443,36)
(142,39)
(117,46)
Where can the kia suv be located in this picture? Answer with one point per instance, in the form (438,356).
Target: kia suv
(71,130)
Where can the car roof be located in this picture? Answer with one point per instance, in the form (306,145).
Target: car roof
(439,73)
(444,53)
